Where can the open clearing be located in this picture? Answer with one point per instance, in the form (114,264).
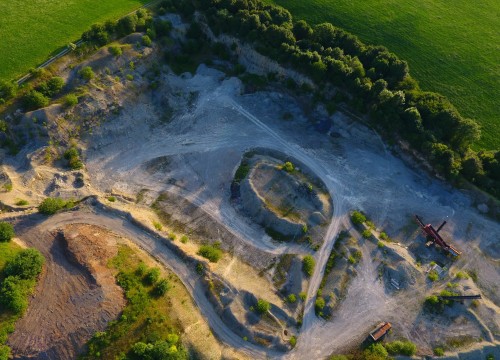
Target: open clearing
(451,47)
(33,30)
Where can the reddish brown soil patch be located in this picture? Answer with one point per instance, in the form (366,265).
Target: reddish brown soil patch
(75,296)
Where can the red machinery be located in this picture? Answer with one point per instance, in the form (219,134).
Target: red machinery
(433,237)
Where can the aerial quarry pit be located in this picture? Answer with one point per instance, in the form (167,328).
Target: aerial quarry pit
(200,163)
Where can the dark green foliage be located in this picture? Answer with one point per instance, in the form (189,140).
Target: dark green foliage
(262,306)
(35,100)
(6,231)
(7,90)
(146,40)
(50,206)
(357,218)
(438,351)
(86,73)
(319,305)
(308,265)
(401,347)
(211,252)
(152,276)
(115,50)
(377,79)
(12,294)
(26,265)
(98,34)
(161,287)
(242,172)
(375,351)
(127,25)
(169,349)
(73,158)
(51,87)
(70,100)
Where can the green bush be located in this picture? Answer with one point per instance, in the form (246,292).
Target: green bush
(461,275)
(384,236)
(35,100)
(5,353)
(366,234)
(338,357)
(376,351)
(319,304)
(86,73)
(50,206)
(438,351)
(12,294)
(433,275)
(308,265)
(293,341)
(111,198)
(401,347)
(288,167)
(22,202)
(184,239)
(7,90)
(380,245)
(211,252)
(70,100)
(161,287)
(115,50)
(26,265)
(73,157)
(357,218)
(51,87)
(262,306)
(291,298)
(6,231)
(146,40)
(152,276)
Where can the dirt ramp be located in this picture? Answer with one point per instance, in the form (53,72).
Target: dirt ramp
(75,296)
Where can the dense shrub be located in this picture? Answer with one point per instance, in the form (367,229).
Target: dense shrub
(35,100)
(152,276)
(7,90)
(366,234)
(6,231)
(13,294)
(401,347)
(73,158)
(211,252)
(70,100)
(115,50)
(50,206)
(146,40)
(161,287)
(51,87)
(375,352)
(438,351)
(292,299)
(169,349)
(262,306)
(357,218)
(433,275)
(86,73)
(308,265)
(319,304)
(26,265)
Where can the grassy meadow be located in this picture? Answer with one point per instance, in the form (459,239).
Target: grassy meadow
(451,47)
(31,31)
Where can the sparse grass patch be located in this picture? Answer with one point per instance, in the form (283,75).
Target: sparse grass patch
(158,226)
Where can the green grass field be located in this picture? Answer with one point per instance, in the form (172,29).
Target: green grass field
(452,47)
(30,31)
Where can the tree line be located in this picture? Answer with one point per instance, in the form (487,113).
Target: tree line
(371,78)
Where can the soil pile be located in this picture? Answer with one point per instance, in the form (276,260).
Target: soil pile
(75,296)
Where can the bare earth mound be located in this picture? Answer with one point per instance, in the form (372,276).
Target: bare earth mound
(75,296)
(284,202)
